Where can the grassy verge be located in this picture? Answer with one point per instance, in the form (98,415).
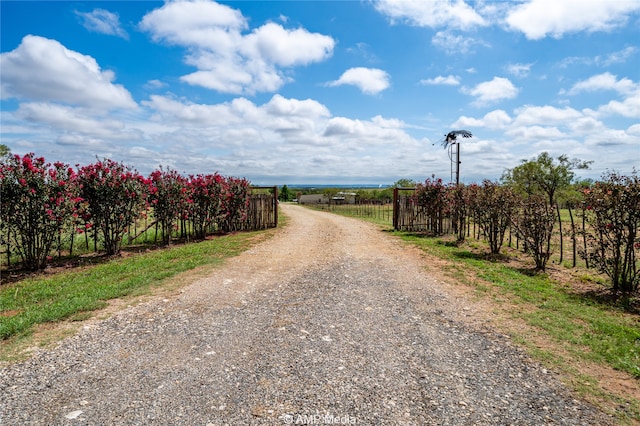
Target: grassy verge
(47,299)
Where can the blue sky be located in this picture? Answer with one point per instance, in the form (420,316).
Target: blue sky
(322,92)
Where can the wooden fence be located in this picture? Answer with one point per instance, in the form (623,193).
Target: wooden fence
(409,217)
(567,239)
(263,209)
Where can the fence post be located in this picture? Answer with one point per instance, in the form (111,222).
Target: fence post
(275,203)
(395,208)
(560,229)
(573,235)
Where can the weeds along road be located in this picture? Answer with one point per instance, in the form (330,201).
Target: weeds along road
(330,321)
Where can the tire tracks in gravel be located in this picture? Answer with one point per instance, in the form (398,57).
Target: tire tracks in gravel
(329,321)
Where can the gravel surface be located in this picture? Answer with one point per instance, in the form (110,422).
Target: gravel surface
(329,322)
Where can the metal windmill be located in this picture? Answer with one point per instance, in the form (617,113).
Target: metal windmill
(451,141)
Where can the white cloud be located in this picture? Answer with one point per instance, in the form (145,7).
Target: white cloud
(544,115)
(287,48)
(198,23)
(104,22)
(617,57)
(497,119)
(629,106)
(634,130)
(433,13)
(453,44)
(226,59)
(519,70)
(369,80)
(450,80)
(539,18)
(155,85)
(42,69)
(605,81)
(533,133)
(492,91)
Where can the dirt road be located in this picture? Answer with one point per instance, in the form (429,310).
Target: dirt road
(329,322)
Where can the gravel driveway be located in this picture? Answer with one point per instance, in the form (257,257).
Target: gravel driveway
(329,322)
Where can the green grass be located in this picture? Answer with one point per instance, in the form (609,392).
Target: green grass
(43,299)
(589,330)
(378,214)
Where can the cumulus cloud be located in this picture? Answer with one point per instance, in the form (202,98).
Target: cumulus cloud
(628,107)
(495,90)
(370,81)
(66,118)
(604,81)
(227,59)
(538,19)
(535,133)
(41,69)
(433,13)
(102,21)
(497,119)
(531,115)
(450,80)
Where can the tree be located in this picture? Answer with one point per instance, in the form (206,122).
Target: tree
(544,175)
(404,183)
(331,193)
(533,222)
(4,151)
(285,194)
(492,206)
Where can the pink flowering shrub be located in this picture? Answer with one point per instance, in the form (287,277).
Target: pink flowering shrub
(168,199)
(236,204)
(205,202)
(116,196)
(38,202)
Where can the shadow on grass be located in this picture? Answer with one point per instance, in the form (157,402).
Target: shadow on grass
(628,302)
